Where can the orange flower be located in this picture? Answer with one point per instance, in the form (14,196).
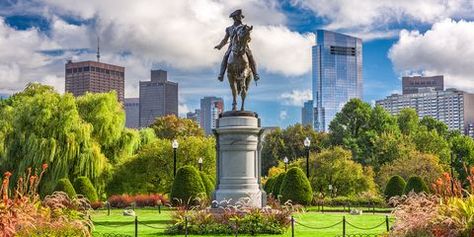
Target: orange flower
(439,182)
(7,174)
(447,176)
(45,166)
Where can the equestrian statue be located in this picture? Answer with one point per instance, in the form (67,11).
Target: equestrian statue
(238,59)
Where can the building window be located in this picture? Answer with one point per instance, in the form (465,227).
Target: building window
(68,71)
(86,69)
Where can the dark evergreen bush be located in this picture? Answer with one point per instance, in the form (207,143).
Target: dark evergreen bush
(269,185)
(208,184)
(84,186)
(395,187)
(296,187)
(277,184)
(416,184)
(187,186)
(64,185)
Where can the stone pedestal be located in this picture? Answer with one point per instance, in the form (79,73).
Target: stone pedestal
(238,137)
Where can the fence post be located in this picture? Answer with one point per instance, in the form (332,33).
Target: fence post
(343,226)
(373,208)
(292,226)
(136,226)
(159,208)
(387,223)
(186,226)
(108,207)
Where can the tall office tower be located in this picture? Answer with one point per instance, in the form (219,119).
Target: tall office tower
(211,107)
(195,116)
(336,76)
(132,112)
(453,107)
(307,113)
(158,97)
(416,84)
(96,77)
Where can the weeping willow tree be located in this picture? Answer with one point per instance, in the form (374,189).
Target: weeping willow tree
(45,127)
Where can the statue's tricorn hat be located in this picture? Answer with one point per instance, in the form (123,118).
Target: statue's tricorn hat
(236,13)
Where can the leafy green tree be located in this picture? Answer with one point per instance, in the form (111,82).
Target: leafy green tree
(334,166)
(433,124)
(395,187)
(427,166)
(296,187)
(416,184)
(431,142)
(64,185)
(350,123)
(388,147)
(151,170)
(408,121)
(83,186)
(382,121)
(187,186)
(462,148)
(277,184)
(172,127)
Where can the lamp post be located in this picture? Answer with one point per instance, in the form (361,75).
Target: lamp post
(307,143)
(175,145)
(200,163)
(285,160)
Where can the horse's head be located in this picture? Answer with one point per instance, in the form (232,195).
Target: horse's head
(243,38)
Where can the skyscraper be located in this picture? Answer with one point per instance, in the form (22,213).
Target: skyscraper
(307,113)
(195,116)
(96,77)
(211,107)
(416,84)
(132,112)
(158,97)
(336,76)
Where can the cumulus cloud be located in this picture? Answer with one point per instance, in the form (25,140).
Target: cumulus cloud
(445,49)
(296,97)
(370,15)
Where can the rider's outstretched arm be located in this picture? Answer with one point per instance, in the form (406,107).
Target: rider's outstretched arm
(224,41)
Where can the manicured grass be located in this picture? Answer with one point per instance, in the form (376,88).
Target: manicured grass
(116,223)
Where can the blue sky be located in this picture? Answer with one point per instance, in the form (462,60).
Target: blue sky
(400,38)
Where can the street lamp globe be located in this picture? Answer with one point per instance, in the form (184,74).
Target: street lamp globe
(200,160)
(175,144)
(307,142)
(285,160)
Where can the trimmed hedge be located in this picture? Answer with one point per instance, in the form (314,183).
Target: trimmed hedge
(395,187)
(277,184)
(351,201)
(296,187)
(269,185)
(187,186)
(64,185)
(416,184)
(84,186)
(208,184)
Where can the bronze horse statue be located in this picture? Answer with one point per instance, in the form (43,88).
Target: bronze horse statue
(239,72)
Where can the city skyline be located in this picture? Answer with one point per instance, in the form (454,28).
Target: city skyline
(38,37)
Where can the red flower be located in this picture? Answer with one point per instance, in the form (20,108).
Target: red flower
(7,174)
(45,166)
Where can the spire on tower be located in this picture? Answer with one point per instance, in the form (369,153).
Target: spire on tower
(98,49)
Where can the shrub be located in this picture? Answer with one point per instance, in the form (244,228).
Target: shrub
(208,184)
(395,187)
(269,185)
(140,200)
(296,187)
(97,205)
(187,186)
(84,186)
(277,184)
(416,184)
(65,185)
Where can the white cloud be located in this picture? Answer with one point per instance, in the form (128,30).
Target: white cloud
(369,15)
(183,109)
(296,97)
(445,49)
(283,114)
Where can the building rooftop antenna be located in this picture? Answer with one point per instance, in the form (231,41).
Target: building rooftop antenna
(98,49)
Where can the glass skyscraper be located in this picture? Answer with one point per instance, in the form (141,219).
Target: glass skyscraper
(336,76)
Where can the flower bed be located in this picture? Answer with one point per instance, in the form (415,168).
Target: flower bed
(140,200)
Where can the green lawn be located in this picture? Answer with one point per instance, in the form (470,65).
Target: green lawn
(116,223)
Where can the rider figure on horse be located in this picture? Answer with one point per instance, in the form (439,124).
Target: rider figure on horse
(230,32)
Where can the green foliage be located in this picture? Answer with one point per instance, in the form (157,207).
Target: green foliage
(84,186)
(431,142)
(395,187)
(407,121)
(151,169)
(172,127)
(208,184)
(296,187)
(351,122)
(432,124)
(277,184)
(65,185)
(269,185)
(462,148)
(335,167)
(187,186)
(416,184)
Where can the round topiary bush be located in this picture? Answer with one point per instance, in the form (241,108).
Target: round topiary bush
(277,184)
(395,187)
(416,184)
(64,185)
(208,184)
(187,186)
(84,186)
(269,185)
(296,187)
